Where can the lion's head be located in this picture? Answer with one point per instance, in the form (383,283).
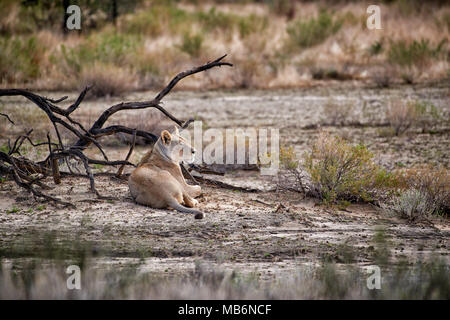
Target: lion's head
(173,147)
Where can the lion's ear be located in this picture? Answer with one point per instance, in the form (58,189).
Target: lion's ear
(166,137)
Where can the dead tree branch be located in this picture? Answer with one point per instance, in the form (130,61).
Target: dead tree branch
(7,117)
(119,172)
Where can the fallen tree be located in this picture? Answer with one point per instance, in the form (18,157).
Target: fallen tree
(30,174)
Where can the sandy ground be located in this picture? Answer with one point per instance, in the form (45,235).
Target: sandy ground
(243,230)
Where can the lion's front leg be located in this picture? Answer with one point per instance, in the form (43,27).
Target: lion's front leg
(189,201)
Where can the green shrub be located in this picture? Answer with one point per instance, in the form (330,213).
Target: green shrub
(144,63)
(145,22)
(157,18)
(416,53)
(102,47)
(376,48)
(251,24)
(288,159)
(191,44)
(290,175)
(20,59)
(216,20)
(339,171)
(4,148)
(314,31)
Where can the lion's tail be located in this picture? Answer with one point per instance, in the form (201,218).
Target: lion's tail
(174,204)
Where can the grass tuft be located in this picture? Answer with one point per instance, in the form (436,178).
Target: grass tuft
(304,34)
(415,53)
(192,44)
(20,59)
(107,80)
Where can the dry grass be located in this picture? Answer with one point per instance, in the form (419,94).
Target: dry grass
(337,114)
(405,115)
(412,204)
(107,80)
(25,117)
(304,34)
(401,116)
(433,183)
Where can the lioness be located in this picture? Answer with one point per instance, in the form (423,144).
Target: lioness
(158,181)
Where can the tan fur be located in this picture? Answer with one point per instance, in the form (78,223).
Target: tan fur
(158,181)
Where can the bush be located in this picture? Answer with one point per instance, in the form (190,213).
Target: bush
(416,53)
(339,171)
(20,59)
(144,22)
(314,31)
(107,80)
(412,203)
(155,20)
(337,115)
(251,24)
(376,48)
(404,115)
(401,116)
(431,182)
(290,175)
(192,44)
(103,47)
(250,70)
(216,20)
(427,115)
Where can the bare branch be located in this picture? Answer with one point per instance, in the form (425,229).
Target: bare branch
(7,117)
(119,172)
(80,98)
(181,75)
(54,162)
(57,100)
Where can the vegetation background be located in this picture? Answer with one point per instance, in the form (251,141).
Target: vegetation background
(131,45)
